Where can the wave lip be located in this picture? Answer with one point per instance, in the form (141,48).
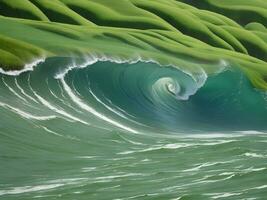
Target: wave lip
(27,67)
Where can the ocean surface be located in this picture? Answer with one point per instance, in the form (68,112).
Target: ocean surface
(97,129)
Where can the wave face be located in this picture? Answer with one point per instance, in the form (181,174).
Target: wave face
(74,129)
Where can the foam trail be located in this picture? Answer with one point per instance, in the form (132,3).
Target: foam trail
(27,115)
(111,109)
(13,91)
(84,106)
(20,190)
(62,112)
(50,131)
(61,100)
(23,92)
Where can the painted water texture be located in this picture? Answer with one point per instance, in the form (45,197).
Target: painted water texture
(133,99)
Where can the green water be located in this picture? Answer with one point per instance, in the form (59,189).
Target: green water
(130,131)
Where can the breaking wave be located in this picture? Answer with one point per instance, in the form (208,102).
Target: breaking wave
(134,95)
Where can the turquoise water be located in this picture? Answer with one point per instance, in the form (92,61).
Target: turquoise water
(130,131)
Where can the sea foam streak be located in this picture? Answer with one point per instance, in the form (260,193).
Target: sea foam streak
(27,115)
(84,106)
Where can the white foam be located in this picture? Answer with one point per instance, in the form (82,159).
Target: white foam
(27,67)
(89,61)
(207,164)
(224,195)
(261,187)
(158,147)
(252,169)
(107,178)
(88,169)
(50,131)
(87,157)
(254,155)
